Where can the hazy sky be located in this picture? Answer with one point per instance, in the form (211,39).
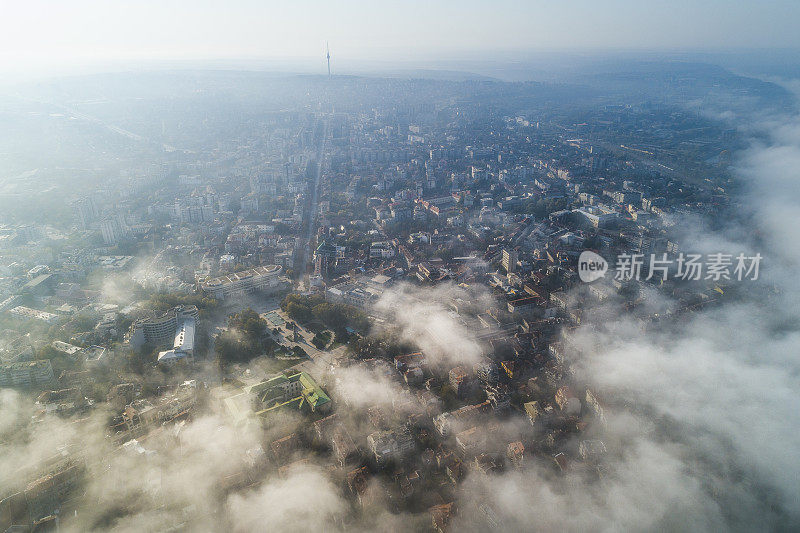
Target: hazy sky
(37,32)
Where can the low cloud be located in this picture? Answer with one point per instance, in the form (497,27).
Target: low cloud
(423,317)
(702,409)
(361,387)
(305,500)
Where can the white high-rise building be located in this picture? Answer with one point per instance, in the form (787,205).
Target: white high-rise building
(85,211)
(113,230)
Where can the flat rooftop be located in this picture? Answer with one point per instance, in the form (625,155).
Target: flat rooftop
(242,275)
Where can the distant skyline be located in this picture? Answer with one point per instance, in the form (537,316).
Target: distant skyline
(42,34)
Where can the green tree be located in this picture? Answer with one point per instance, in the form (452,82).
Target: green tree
(244,339)
(299,312)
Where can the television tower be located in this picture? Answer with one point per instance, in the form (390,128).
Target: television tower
(328,56)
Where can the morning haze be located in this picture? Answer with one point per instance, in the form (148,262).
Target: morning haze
(399,266)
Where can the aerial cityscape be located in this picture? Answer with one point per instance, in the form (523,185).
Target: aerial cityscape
(519,289)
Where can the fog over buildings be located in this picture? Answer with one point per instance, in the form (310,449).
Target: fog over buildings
(519,289)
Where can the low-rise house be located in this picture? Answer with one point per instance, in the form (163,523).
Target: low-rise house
(515,452)
(391,445)
(446,422)
(441,515)
(59,400)
(283,448)
(26,373)
(344,449)
(533,411)
(567,401)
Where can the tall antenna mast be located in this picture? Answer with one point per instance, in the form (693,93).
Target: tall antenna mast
(328,56)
